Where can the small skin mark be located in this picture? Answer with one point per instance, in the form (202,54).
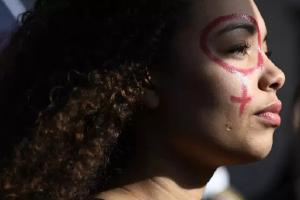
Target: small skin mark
(228,128)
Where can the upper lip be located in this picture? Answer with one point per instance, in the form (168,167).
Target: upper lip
(273,108)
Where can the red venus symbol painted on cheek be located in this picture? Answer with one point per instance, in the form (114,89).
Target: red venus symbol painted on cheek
(242,70)
(243,100)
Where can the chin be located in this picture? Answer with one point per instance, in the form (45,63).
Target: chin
(257,155)
(261,152)
(250,150)
(247,157)
(256,149)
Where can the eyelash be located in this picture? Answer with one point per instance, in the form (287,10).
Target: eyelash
(240,49)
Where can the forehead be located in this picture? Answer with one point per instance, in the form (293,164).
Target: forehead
(205,11)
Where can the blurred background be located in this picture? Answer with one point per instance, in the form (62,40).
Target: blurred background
(277,176)
(10,10)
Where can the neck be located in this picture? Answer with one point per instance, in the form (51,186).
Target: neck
(161,188)
(157,173)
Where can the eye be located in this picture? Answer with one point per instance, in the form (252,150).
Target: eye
(239,49)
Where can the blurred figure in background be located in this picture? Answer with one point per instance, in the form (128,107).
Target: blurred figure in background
(296,124)
(219,187)
(10,10)
(296,118)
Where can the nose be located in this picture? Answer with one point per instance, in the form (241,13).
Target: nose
(272,78)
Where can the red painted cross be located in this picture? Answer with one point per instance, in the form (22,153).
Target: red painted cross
(243,100)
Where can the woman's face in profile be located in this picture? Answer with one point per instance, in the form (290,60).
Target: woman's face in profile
(219,102)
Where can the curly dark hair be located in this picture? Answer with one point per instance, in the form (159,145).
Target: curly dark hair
(93,58)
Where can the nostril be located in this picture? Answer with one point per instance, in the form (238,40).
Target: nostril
(275,86)
(268,83)
(272,78)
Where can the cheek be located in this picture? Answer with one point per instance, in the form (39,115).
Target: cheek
(197,104)
(200,100)
(211,109)
(209,88)
(199,114)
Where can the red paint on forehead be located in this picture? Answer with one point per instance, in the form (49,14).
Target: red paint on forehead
(228,67)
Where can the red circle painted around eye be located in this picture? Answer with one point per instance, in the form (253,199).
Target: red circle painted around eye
(231,68)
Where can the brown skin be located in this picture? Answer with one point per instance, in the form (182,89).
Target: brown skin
(185,138)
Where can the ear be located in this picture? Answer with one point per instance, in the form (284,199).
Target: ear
(151,95)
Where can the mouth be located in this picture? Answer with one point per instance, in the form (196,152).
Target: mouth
(270,115)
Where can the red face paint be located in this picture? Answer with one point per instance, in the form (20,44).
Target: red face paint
(243,100)
(228,67)
(245,71)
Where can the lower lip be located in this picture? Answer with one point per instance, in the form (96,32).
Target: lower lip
(269,118)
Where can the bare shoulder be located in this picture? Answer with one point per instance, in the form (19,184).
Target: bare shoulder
(115,194)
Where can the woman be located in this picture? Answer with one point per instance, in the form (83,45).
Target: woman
(147,98)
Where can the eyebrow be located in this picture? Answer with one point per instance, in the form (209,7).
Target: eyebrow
(231,27)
